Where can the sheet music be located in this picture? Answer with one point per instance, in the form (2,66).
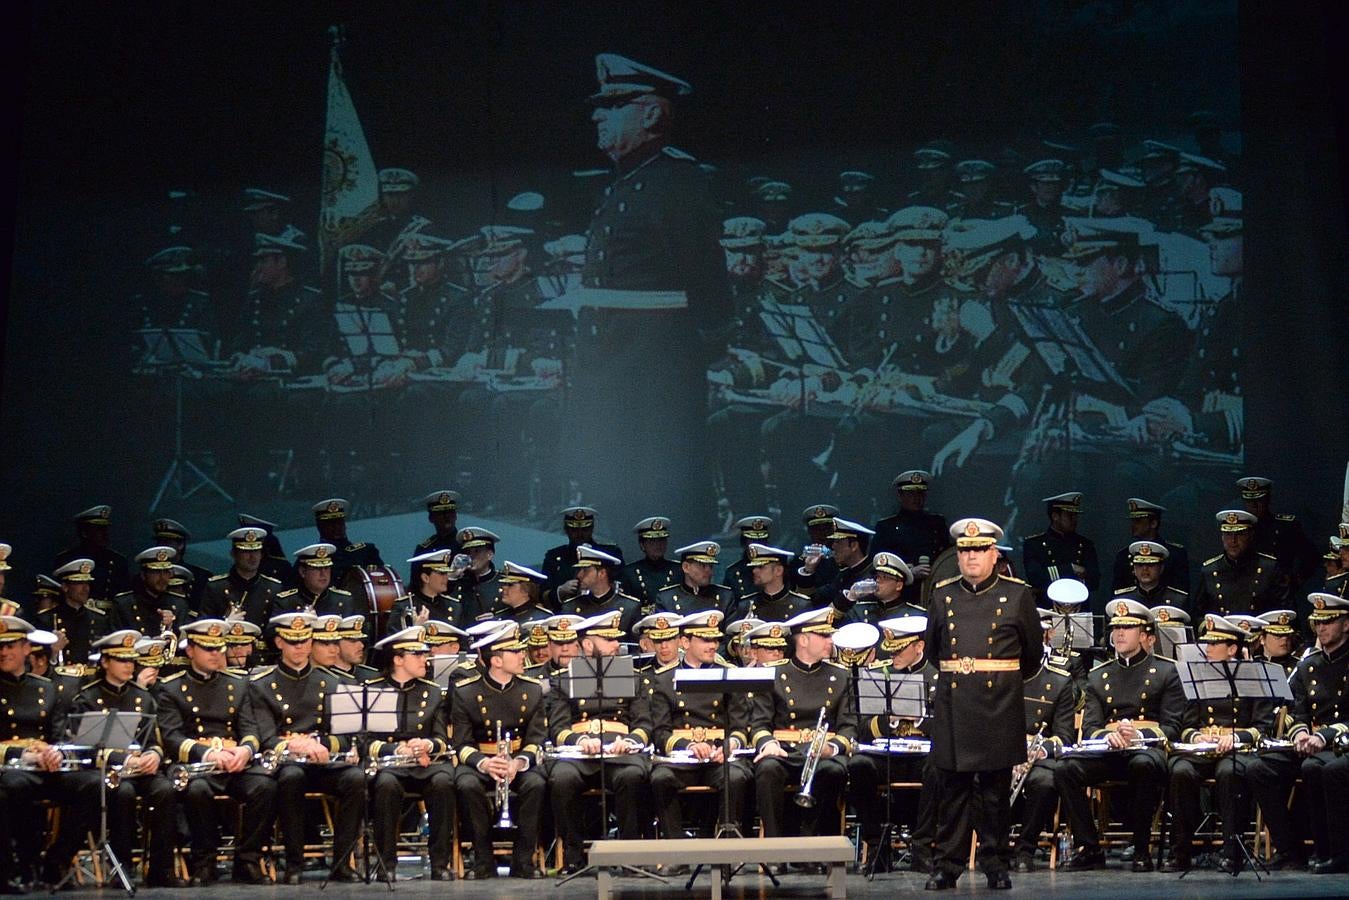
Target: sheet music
(366,331)
(799,335)
(1059,340)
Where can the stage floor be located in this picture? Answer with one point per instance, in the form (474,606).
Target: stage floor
(1109,883)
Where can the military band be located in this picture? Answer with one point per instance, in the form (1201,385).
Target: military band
(500,744)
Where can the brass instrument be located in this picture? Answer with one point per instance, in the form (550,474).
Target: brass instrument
(1090,747)
(184,774)
(813,754)
(1032,754)
(897,746)
(376,764)
(503,784)
(68,764)
(575,754)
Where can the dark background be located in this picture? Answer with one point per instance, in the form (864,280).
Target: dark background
(112,106)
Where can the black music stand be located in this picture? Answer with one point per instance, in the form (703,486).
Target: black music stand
(727,682)
(880,692)
(1232,679)
(585,680)
(106,730)
(357,710)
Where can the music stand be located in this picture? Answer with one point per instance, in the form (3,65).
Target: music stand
(357,710)
(880,692)
(1171,637)
(1232,679)
(444,667)
(175,351)
(727,682)
(585,679)
(106,730)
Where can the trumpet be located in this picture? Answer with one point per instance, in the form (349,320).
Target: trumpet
(1023,772)
(1099,747)
(184,774)
(813,753)
(376,764)
(68,764)
(503,785)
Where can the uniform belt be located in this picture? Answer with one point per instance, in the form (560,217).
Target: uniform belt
(599,726)
(796,735)
(968,665)
(1215,731)
(218,743)
(699,734)
(490,747)
(1137,723)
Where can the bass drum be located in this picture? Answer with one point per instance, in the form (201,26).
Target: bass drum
(379,587)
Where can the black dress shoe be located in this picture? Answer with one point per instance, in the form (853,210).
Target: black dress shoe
(1333,866)
(292,876)
(1230,866)
(1023,863)
(346,875)
(530,871)
(1177,862)
(250,873)
(481,872)
(165,881)
(1286,861)
(204,876)
(570,869)
(1087,858)
(941,881)
(999,881)
(1142,862)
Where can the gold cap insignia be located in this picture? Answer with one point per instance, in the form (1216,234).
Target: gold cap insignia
(1319,603)
(1163,615)
(775,631)
(331,625)
(662,623)
(297,622)
(1283,618)
(162,555)
(237,629)
(971,529)
(713,621)
(1122,609)
(252,536)
(86,568)
(1232,518)
(1145,550)
(213,631)
(129,640)
(334,506)
(321,552)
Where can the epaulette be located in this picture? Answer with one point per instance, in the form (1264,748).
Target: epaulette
(791,593)
(1178,590)
(1057,671)
(262,673)
(483,617)
(945,581)
(1012,578)
(746,596)
(1101,665)
(617,594)
(1177,545)
(669,587)
(1034,537)
(119,596)
(288,592)
(428,681)
(95,609)
(333,590)
(882,283)
(1267,555)
(266,577)
(356,546)
(167,678)
(676,153)
(1125,590)
(1056,659)
(1212,560)
(220,577)
(427,543)
(830,662)
(1285,517)
(667,667)
(530,679)
(310,288)
(1167,658)
(42,678)
(860,285)
(880,664)
(476,676)
(777,662)
(371,681)
(236,671)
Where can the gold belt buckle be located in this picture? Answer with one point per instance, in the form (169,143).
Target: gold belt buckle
(965,665)
(594,726)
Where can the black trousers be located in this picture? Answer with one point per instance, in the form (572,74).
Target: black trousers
(435,785)
(626,780)
(255,792)
(1325,777)
(1038,800)
(475,790)
(1231,795)
(23,824)
(970,802)
(342,783)
(1145,772)
(667,781)
(1271,778)
(770,780)
(161,802)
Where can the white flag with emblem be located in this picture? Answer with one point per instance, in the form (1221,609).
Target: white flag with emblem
(350,180)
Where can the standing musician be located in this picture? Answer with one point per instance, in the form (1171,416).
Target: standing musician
(150,607)
(205,717)
(1052,699)
(430,596)
(985,637)
(696,726)
(314,567)
(290,704)
(643,578)
(622,726)
(243,587)
(73,617)
(902,639)
(1131,699)
(599,594)
(891,574)
(141,772)
(1226,723)
(410,759)
(771,600)
(695,591)
(31,724)
(499,705)
(783,723)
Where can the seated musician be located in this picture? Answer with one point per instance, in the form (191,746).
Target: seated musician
(1224,723)
(430,596)
(290,705)
(244,587)
(1133,701)
(902,640)
(499,729)
(205,718)
(697,727)
(141,773)
(737,648)
(1279,639)
(314,566)
(240,643)
(621,726)
(1052,699)
(783,722)
(891,574)
(658,634)
(767,642)
(351,650)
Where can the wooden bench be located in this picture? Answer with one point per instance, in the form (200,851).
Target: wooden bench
(836,852)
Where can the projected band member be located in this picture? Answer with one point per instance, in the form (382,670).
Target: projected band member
(656,282)
(285,326)
(985,638)
(1241,579)
(1133,701)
